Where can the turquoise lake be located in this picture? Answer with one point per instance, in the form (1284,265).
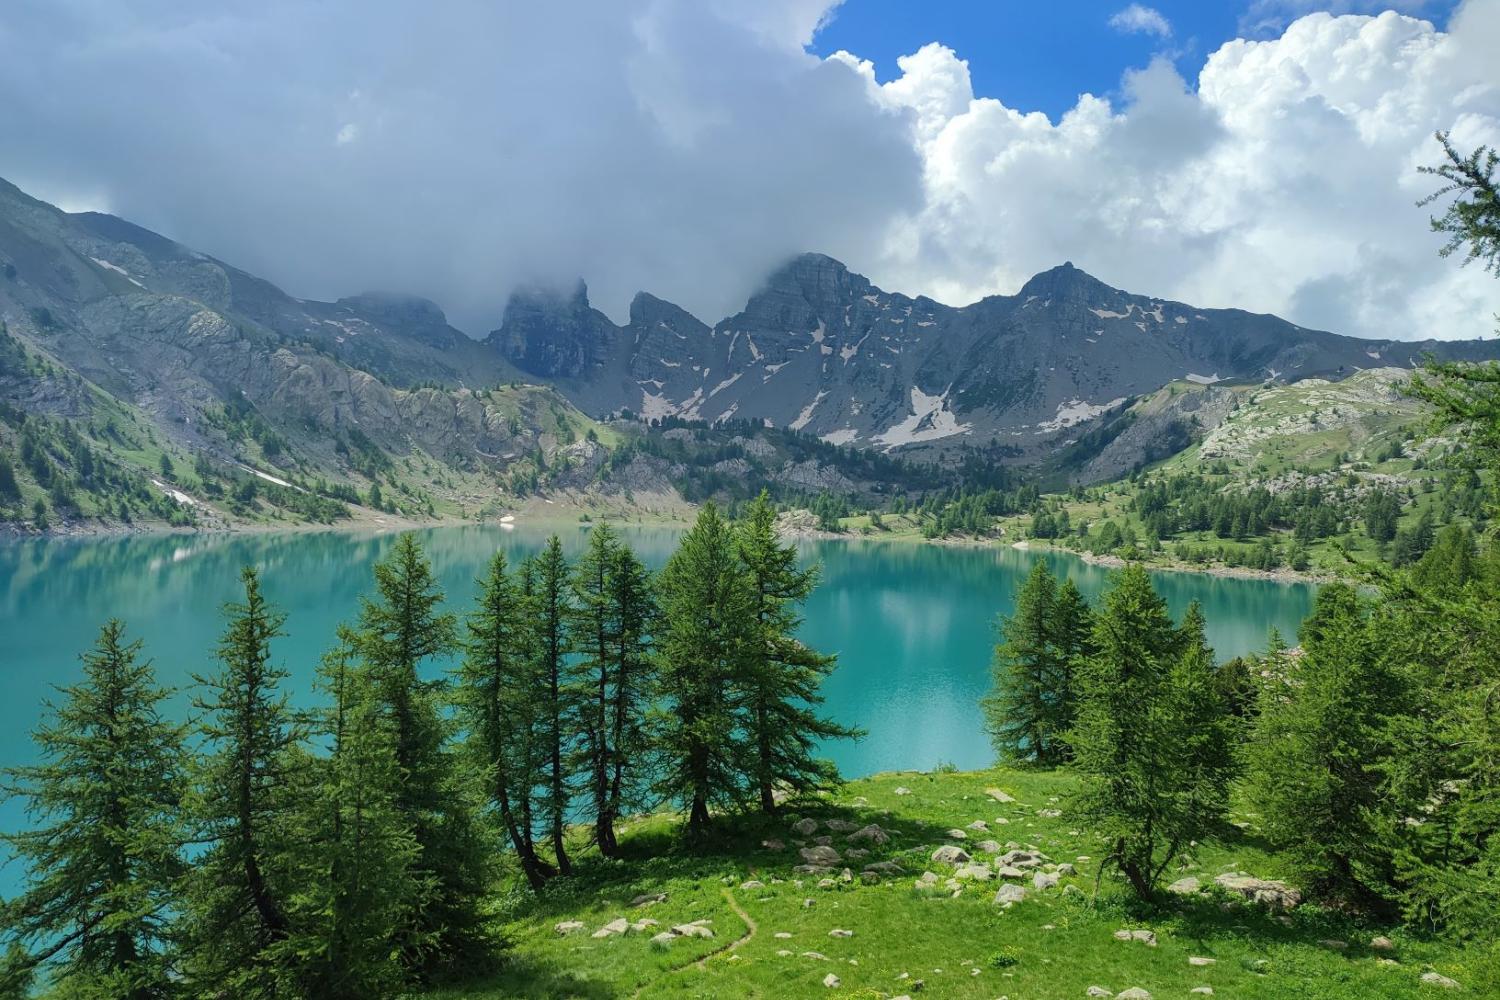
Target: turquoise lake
(913,625)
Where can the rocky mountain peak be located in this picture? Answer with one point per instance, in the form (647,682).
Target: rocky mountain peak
(1066,282)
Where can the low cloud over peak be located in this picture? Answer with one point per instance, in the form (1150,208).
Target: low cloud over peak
(687,148)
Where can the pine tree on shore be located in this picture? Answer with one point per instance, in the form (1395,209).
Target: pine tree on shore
(558,717)
(1318,749)
(1020,711)
(706,614)
(496,696)
(399,630)
(781,676)
(103,856)
(1152,743)
(359,878)
(633,597)
(242,809)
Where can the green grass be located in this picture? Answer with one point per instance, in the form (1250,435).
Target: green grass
(1055,944)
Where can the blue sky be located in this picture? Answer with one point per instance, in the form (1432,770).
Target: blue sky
(1039,56)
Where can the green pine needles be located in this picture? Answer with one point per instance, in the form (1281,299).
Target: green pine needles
(350,852)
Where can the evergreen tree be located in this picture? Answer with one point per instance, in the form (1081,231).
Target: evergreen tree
(1317,753)
(1023,710)
(10,490)
(610,630)
(496,696)
(706,613)
(635,684)
(781,675)
(1073,640)
(241,807)
(1151,743)
(359,877)
(551,611)
(399,630)
(102,858)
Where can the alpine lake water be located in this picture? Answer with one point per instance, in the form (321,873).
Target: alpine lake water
(913,625)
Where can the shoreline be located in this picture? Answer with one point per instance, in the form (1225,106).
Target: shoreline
(570,512)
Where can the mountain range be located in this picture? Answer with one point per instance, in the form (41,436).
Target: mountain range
(214,362)
(822,350)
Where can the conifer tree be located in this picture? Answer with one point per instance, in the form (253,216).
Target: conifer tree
(496,695)
(241,807)
(103,856)
(558,716)
(399,630)
(1073,642)
(633,598)
(706,610)
(1020,711)
(781,675)
(1151,742)
(359,876)
(1318,750)
(593,628)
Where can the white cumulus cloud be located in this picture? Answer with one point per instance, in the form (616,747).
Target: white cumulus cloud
(1139,19)
(1284,181)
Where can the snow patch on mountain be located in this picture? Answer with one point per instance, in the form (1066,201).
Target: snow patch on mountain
(930,420)
(1075,411)
(807,412)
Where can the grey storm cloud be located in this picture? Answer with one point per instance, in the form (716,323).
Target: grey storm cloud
(456,149)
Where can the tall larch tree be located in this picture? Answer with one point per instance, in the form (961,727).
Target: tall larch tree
(1021,711)
(781,675)
(241,807)
(593,627)
(558,717)
(102,858)
(496,697)
(707,611)
(400,629)
(359,873)
(633,597)
(1318,749)
(1153,756)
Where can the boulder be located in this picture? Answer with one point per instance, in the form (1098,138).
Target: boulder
(1437,979)
(820,855)
(816,956)
(998,795)
(884,868)
(665,937)
(1382,944)
(806,827)
(694,929)
(617,926)
(839,932)
(1023,859)
(988,846)
(1206,991)
(644,925)
(901,791)
(646,899)
(1196,960)
(1134,993)
(773,844)
(1099,991)
(1006,871)
(831,981)
(827,883)
(979,873)
(753,884)
(1146,937)
(1008,894)
(840,825)
(782,935)
(956,834)
(979,825)
(1185,887)
(871,834)
(568,927)
(948,854)
(1043,880)
(1066,868)
(1276,895)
